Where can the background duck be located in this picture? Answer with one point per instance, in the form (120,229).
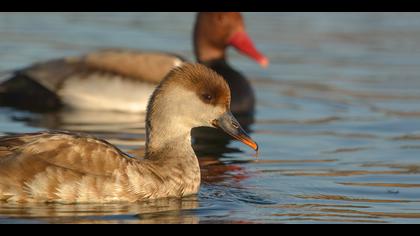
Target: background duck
(68,167)
(123,79)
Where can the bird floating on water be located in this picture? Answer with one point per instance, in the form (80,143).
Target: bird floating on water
(123,79)
(73,168)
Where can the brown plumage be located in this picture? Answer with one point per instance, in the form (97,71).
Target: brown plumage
(50,85)
(70,168)
(210,89)
(66,167)
(210,42)
(151,67)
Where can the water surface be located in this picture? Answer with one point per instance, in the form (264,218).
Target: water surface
(338,117)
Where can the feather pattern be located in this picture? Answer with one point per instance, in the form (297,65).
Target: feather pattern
(67,167)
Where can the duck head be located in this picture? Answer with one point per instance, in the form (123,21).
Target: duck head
(215,31)
(190,96)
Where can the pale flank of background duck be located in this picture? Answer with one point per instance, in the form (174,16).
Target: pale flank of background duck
(72,168)
(111,79)
(123,79)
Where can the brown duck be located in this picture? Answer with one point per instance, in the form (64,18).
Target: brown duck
(123,80)
(73,168)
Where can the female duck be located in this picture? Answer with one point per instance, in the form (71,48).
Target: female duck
(123,80)
(72,168)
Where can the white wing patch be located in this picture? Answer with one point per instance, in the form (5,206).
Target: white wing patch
(5,75)
(112,93)
(177,63)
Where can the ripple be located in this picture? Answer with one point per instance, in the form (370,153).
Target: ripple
(396,112)
(350,199)
(407,137)
(398,185)
(410,147)
(340,150)
(334,173)
(318,133)
(312,121)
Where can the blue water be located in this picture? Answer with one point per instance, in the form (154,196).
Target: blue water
(338,117)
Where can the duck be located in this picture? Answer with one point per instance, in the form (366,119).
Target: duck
(210,49)
(118,79)
(67,167)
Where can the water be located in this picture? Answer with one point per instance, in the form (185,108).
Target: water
(337,117)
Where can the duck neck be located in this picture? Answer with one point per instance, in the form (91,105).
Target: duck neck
(166,129)
(205,51)
(216,63)
(167,136)
(169,153)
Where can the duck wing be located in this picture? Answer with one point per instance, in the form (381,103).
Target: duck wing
(39,86)
(147,66)
(144,66)
(58,166)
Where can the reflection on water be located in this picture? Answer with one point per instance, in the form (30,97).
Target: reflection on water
(147,212)
(337,118)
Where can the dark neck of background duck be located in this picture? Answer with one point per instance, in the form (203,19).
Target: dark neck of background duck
(243,98)
(205,53)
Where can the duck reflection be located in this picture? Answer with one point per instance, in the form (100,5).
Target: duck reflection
(167,210)
(211,144)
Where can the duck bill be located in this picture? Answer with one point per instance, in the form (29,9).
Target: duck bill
(243,43)
(231,126)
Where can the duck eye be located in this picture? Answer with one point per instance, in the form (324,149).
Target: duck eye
(207,97)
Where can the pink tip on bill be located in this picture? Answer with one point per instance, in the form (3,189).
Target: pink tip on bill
(243,43)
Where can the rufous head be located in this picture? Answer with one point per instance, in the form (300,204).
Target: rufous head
(193,95)
(215,31)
